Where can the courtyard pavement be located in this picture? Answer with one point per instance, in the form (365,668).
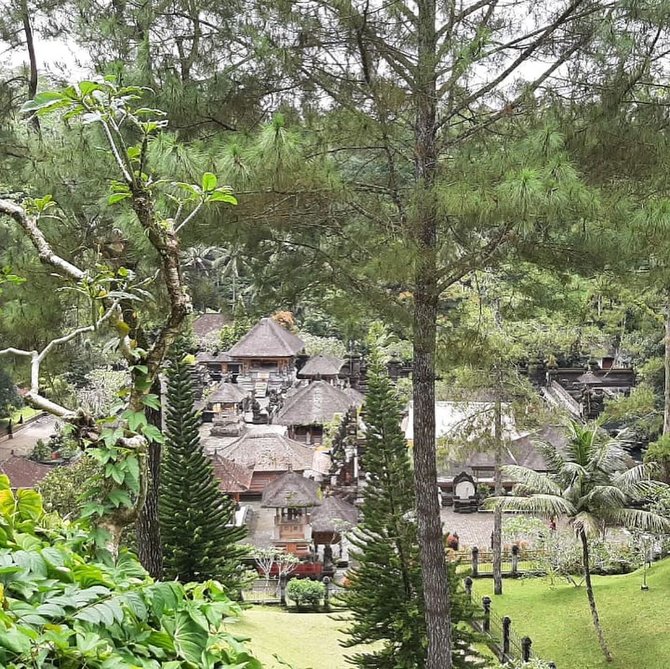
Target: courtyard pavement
(25,439)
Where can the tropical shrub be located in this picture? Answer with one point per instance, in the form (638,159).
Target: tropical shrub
(64,607)
(305,592)
(65,489)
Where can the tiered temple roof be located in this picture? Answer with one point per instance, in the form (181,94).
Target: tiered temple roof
(316,404)
(267,339)
(291,490)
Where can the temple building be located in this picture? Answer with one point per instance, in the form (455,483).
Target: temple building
(269,454)
(307,410)
(293,497)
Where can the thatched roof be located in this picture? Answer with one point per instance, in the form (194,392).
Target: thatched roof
(232,477)
(227,393)
(266,450)
(334,515)
(24,473)
(291,490)
(316,404)
(208,323)
(205,357)
(267,339)
(321,365)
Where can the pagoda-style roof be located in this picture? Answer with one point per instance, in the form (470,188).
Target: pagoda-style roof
(291,490)
(589,379)
(24,473)
(227,393)
(321,365)
(267,339)
(316,404)
(218,356)
(207,323)
(267,450)
(233,478)
(333,516)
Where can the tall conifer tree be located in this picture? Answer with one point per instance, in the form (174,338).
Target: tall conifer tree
(194,513)
(384,593)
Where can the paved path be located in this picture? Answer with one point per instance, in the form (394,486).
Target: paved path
(25,439)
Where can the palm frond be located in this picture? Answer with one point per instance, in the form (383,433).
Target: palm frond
(532,481)
(633,475)
(606,495)
(638,519)
(541,505)
(588,523)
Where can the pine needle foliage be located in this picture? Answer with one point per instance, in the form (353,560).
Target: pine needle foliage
(194,514)
(384,592)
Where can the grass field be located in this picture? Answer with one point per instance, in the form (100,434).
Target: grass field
(304,640)
(26,412)
(636,624)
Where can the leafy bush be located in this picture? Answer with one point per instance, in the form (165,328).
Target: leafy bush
(304,591)
(560,556)
(63,608)
(41,451)
(520,664)
(64,489)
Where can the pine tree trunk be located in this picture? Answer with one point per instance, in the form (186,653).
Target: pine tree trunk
(147,526)
(426,295)
(496,537)
(30,44)
(592,599)
(666,394)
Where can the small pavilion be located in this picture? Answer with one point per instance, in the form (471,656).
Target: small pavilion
(293,497)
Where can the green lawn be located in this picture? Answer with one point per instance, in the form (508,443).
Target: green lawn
(26,412)
(305,640)
(636,623)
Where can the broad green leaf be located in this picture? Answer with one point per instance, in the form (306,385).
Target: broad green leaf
(221,196)
(117,197)
(209,181)
(119,498)
(29,504)
(15,640)
(190,638)
(87,87)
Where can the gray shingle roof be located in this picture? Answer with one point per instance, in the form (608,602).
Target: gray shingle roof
(316,404)
(322,365)
(268,451)
(232,477)
(227,393)
(291,490)
(334,515)
(267,339)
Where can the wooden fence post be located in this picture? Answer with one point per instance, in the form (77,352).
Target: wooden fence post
(475,562)
(468,587)
(326,595)
(515,560)
(506,624)
(486,623)
(526,643)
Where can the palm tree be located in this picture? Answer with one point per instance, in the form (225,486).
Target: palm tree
(592,484)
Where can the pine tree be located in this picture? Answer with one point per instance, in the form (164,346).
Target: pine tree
(384,593)
(197,545)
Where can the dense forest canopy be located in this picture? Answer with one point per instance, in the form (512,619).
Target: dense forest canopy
(487,179)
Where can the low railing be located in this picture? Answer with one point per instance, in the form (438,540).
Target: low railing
(499,634)
(516,561)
